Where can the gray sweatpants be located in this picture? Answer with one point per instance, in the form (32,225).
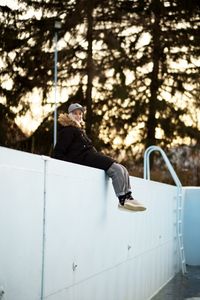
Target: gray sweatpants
(120,179)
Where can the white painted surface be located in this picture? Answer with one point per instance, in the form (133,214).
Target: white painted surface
(119,255)
(192,225)
(21,212)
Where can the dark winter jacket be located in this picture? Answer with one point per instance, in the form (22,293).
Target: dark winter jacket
(74,146)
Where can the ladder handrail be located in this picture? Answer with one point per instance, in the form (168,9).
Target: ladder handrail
(147,153)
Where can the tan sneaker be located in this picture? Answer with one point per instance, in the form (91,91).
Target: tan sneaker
(132,204)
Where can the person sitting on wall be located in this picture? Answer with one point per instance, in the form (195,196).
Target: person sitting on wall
(73,145)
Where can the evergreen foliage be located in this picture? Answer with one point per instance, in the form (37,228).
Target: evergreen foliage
(130,59)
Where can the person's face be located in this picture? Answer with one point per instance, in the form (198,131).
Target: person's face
(78,115)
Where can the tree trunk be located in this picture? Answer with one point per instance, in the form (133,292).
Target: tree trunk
(89,117)
(154,86)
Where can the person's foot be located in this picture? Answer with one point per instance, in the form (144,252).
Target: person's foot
(132,204)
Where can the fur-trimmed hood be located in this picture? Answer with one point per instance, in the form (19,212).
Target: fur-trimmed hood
(65,120)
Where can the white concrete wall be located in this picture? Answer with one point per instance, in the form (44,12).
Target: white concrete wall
(192,225)
(55,215)
(21,214)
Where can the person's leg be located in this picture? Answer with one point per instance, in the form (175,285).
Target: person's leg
(121,184)
(120,179)
(127,179)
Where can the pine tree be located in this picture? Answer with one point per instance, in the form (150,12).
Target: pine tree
(125,79)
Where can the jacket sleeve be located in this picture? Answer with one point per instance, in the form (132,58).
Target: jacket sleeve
(65,138)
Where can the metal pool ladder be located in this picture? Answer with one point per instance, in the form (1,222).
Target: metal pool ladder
(147,153)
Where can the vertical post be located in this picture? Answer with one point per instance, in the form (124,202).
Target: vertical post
(55,88)
(45,159)
(56,27)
